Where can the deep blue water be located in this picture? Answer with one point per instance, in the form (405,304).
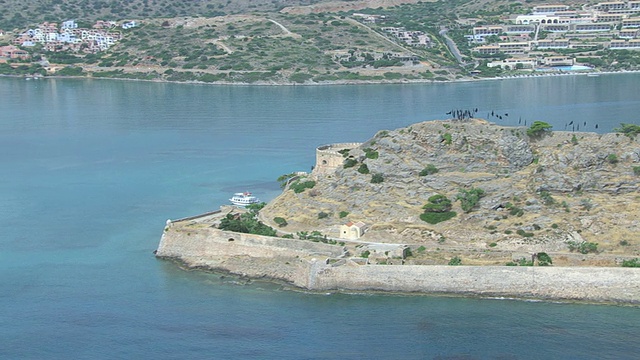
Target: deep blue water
(90,171)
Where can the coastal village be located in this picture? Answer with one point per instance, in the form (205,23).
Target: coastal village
(518,39)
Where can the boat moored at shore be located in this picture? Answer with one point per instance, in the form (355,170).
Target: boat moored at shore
(243,199)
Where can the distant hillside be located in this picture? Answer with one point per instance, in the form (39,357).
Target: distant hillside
(21,14)
(538,194)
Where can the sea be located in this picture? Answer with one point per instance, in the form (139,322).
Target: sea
(90,170)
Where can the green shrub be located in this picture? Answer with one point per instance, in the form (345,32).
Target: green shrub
(524,233)
(437,217)
(363,169)
(574,140)
(280,221)
(344,152)
(246,223)
(631,130)
(377,178)
(323,215)
(544,259)
(370,153)
(636,170)
(612,159)
(538,128)
(350,162)
(428,170)
(583,247)
(546,197)
(469,198)
(437,203)
(421,249)
(631,263)
(525,262)
(287,236)
(446,138)
(455,261)
(365,254)
(493,244)
(516,211)
(300,186)
(343,214)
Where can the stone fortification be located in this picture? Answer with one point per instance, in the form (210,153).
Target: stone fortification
(324,267)
(562,283)
(199,245)
(328,158)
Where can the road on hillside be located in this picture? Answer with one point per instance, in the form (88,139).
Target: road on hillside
(452,46)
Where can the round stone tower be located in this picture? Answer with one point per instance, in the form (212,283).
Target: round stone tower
(329,158)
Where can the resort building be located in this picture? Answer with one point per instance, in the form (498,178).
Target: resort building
(515,63)
(555,28)
(550,9)
(487,49)
(552,44)
(558,61)
(12,52)
(633,22)
(613,5)
(592,27)
(519,29)
(602,18)
(540,19)
(628,33)
(633,44)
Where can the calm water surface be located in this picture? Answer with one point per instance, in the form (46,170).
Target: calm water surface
(90,171)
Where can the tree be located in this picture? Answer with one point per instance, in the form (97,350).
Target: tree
(284,179)
(631,130)
(538,128)
(438,209)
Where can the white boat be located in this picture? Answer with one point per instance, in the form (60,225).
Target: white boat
(243,199)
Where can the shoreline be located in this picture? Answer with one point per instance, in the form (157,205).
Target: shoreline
(244,280)
(533,74)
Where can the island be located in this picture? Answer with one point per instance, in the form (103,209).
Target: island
(460,206)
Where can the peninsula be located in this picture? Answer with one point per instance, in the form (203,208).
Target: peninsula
(459,206)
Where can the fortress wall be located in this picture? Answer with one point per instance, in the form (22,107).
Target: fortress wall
(575,283)
(248,255)
(207,242)
(303,263)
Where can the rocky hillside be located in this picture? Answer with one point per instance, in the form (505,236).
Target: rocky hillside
(544,194)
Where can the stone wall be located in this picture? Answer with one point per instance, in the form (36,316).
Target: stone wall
(575,283)
(316,266)
(244,254)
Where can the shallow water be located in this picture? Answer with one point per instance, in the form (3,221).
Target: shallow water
(90,170)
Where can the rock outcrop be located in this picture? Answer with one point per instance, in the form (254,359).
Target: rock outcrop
(547,188)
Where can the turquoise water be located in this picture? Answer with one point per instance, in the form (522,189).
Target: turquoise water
(90,171)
